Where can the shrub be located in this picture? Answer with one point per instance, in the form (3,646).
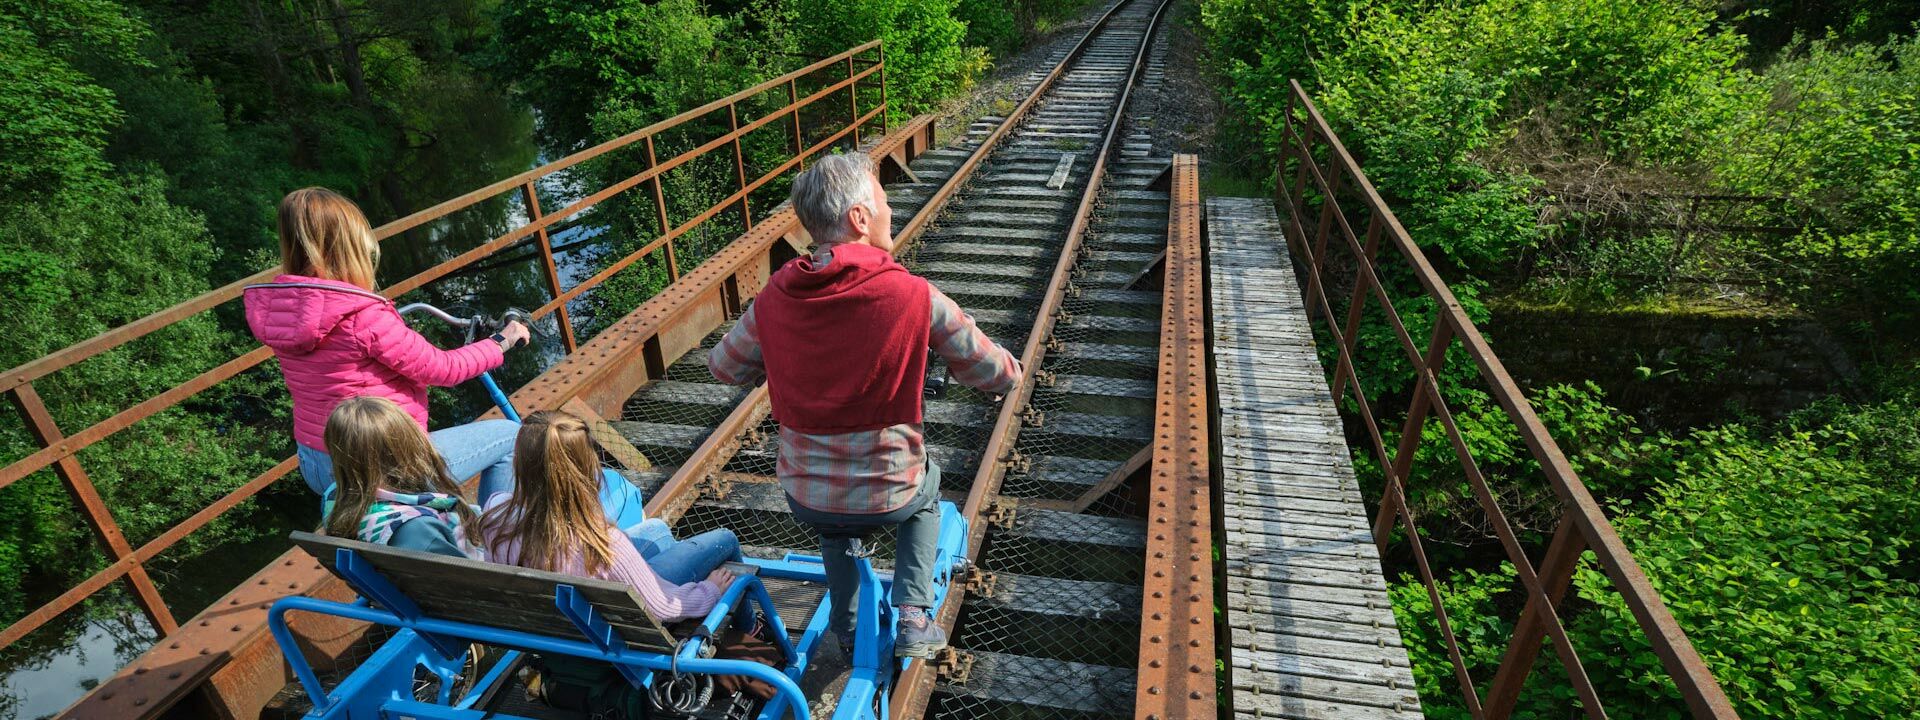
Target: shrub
(1841,141)
(1775,555)
(990,24)
(927,56)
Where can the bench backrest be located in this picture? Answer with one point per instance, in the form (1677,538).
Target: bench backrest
(500,596)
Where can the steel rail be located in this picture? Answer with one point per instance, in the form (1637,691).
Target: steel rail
(1177,642)
(914,688)
(719,447)
(1583,523)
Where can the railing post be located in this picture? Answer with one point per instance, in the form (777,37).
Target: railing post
(853,101)
(546,259)
(1556,574)
(1423,390)
(1318,260)
(885,127)
(660,204)
(740,167)
(94,509)
(1363,275)
(793,108)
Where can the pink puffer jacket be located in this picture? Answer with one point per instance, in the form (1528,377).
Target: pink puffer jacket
(336,341)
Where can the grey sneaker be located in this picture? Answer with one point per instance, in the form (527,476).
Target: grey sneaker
(919,636)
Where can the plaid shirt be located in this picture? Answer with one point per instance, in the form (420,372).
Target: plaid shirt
(874,471)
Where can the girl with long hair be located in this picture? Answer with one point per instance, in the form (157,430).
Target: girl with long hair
(553,521)
(390,486)
(336,338)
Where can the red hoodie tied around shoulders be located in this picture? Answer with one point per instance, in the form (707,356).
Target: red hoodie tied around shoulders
(336,341)
(845,346)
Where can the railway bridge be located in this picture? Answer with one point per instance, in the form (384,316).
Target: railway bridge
(1166,517)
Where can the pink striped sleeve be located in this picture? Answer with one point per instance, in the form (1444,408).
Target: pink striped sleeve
(736,359)
(972,357)
(667,602)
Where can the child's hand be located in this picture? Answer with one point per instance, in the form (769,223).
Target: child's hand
(720,579)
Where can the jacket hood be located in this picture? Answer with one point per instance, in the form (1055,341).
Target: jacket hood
(294,313)
(853,264)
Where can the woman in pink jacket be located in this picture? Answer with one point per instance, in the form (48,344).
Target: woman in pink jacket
(337,339)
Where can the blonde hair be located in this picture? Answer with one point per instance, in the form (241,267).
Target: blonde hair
(375,445)
(555,511)
(324,235)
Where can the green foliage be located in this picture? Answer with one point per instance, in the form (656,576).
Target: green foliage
(1480,629)
(1465,114)
(1841,141)
(1602,444)
(1789,559)
(1774,24)
(103,254)
(990,24)
(53,118)
(616,64)
(1790,562)
(927,57)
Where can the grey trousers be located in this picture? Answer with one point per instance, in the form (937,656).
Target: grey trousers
(914,546)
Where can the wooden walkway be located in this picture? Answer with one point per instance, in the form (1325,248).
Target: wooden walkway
(1311,630)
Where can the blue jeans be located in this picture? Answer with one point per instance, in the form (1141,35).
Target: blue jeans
(683,561)
(915,544)
(484,447)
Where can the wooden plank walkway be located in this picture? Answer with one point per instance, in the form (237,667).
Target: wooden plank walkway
(1310,629)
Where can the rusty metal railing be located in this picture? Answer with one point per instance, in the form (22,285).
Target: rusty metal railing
(834,76)
(1321,165)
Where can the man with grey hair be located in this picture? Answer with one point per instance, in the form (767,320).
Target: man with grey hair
(841,338)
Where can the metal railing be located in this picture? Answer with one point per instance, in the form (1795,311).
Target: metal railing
(1321,166)
(836,76)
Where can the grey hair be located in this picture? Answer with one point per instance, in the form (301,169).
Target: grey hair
(824,193)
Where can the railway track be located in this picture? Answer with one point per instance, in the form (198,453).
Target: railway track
(1040,226)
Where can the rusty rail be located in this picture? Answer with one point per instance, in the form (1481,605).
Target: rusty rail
(914,688)
(834,76)
(1583,526)
(1177,650)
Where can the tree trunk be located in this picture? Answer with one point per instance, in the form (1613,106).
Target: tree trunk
(266,50)
(350,57)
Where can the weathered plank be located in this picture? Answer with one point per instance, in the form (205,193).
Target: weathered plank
(1311,632)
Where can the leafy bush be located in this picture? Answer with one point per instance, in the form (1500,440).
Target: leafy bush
(1480,628)
(927,56)
(1789,562)
(990,25)
(1841,141)
(1441,103)
(1601,443)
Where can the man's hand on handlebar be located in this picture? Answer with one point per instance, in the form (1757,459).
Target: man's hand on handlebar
(513,335)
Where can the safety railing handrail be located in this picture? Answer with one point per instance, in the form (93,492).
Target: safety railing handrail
(1583,525)
(60,451)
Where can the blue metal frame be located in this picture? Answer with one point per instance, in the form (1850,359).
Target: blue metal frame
(499,397)
(383,685)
